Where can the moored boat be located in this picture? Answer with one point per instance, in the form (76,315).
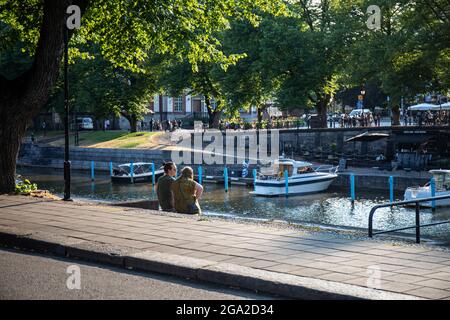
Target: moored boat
(302,178)
(442,188)
(142,172)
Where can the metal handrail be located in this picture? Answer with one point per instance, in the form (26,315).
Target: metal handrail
(326,168)
(402,203)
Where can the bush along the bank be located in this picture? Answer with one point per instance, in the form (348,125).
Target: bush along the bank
(25,187)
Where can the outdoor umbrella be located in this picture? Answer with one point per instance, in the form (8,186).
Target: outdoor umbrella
(445,106)
(424,107)
(366,136)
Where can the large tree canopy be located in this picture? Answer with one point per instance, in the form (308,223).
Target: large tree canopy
(410,54)
(99,88)
(126,31)
(300,59)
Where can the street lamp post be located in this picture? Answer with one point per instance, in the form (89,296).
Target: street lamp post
(66,118)
(72,22)
(440,107)
(76,138)
(389,107)
(403,114)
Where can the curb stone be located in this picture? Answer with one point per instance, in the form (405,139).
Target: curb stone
(95,256)
(289,286)
(171,264)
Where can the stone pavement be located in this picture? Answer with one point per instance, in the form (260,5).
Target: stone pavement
(267,258)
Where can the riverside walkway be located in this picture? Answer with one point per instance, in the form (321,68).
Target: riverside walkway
(296,263)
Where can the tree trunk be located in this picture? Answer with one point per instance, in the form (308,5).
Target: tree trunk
(160,97)
(321,106)
(395,116)
(260,115)
(132,119)
(133,123)
(11,132)
(22,98)
(213,114)
(216,120)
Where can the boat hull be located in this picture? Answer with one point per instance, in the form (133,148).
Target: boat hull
(425,192)
(295,186)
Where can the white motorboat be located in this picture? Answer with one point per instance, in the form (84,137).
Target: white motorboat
(142,172)
(302,178)
(442,188)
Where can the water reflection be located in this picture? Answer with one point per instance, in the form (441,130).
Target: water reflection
(332,208)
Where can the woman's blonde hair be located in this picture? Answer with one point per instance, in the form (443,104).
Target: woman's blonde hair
(187,172)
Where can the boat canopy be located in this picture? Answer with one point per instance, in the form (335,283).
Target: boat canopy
(442,179)
(292,166)
(138,167)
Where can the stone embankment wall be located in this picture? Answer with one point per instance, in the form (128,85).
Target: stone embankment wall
(52,157)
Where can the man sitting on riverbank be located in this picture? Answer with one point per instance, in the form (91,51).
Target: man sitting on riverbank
(163,187)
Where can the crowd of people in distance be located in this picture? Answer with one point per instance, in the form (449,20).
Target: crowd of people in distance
(165,125)
(428,118)
(363,120)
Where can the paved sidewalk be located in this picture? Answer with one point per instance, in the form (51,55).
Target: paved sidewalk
(295,263)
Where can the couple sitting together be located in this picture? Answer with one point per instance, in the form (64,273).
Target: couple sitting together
(178,195)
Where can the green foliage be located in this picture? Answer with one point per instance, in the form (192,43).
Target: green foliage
(129,32)
(97,87)
(409,55)
(130,145)
(242,53)
(25,187)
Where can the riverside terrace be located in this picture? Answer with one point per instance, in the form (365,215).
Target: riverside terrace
(315,145)
(329,145)
(296,263)
(417,147)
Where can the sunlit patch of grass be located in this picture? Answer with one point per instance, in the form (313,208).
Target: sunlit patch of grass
(126,141)
(108,139)
(129,145)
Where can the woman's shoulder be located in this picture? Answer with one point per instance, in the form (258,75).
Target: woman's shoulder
(188,183)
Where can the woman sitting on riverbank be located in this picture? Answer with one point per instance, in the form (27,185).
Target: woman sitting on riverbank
(186,192)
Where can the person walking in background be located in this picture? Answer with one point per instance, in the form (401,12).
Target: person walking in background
(187,192)
(105,125)
(44,128)
(163,187)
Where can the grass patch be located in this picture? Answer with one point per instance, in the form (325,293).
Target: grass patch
(126,141)
(93,137)
(133,135)
(129,145)
(107,139)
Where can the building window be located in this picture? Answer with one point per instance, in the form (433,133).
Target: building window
(178,104)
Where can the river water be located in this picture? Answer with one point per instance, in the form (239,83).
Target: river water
(331,208)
